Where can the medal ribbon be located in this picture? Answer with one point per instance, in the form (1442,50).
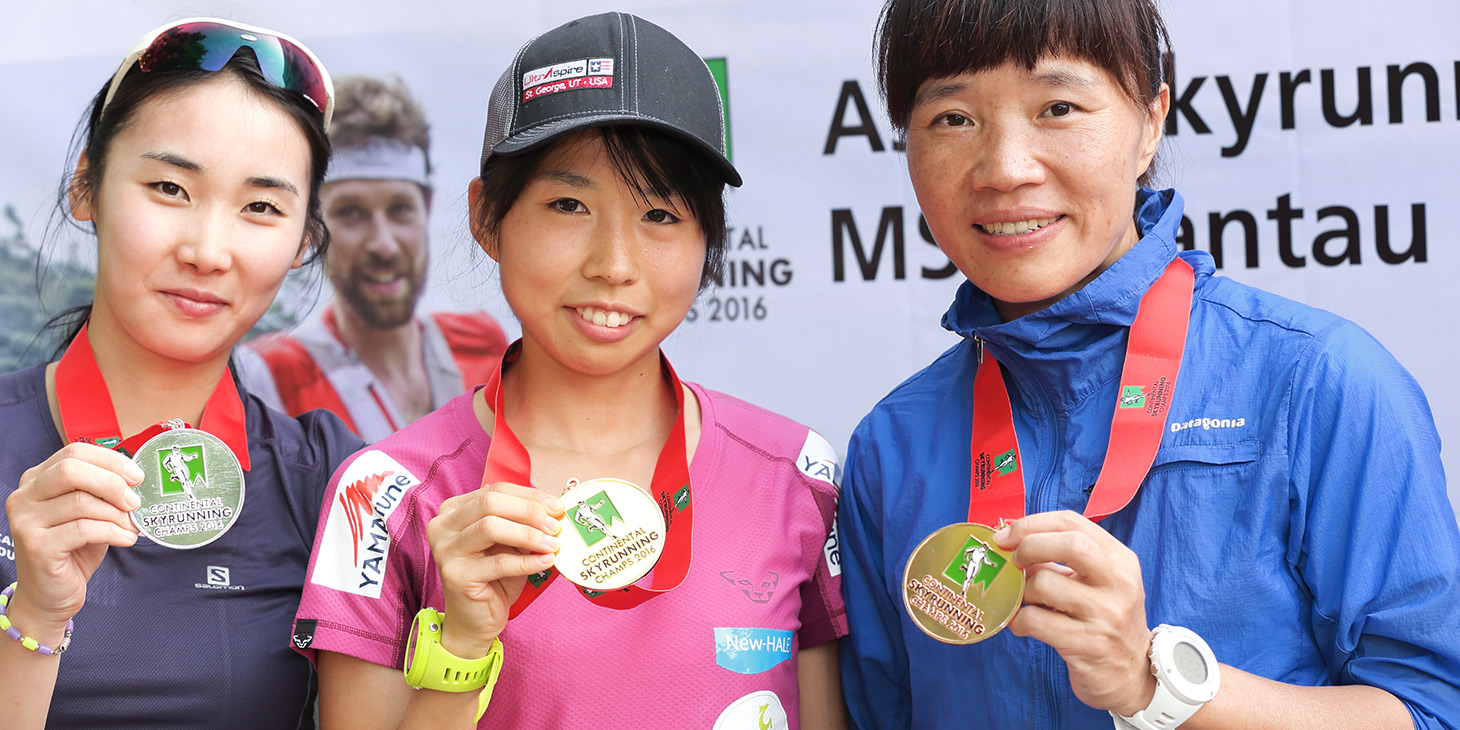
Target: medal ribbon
(508,461)
(1147,382)
(88,415)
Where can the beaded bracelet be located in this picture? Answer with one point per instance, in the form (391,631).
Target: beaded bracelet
(24,640)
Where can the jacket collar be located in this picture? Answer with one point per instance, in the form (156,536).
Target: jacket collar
(1073,346)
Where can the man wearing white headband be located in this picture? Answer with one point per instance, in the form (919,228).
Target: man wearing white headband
(368,358)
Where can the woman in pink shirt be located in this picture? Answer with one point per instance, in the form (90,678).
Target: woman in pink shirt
(600,198)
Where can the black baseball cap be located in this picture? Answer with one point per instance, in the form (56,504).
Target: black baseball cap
(603,70)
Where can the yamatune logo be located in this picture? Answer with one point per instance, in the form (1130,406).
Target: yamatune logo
(593,518)
(356,542)
(975,564)
(356,499)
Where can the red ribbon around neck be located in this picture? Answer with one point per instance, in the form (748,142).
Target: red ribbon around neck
(1147,382)
(89,416)
(508,461)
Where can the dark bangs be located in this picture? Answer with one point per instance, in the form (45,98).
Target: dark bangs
(654,164)
(919,40)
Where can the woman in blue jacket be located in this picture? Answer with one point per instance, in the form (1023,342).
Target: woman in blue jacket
(1279,510)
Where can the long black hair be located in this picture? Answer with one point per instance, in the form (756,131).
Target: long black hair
(105,121)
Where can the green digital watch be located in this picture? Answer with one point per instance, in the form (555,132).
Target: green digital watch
(430,666)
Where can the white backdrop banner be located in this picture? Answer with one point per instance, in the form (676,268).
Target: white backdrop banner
(1315,141)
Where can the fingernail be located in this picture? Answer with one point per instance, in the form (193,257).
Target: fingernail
(551,542)
(554,505)
(133,501)
(552,527)
(1002,534)
(545,559)
(134,473)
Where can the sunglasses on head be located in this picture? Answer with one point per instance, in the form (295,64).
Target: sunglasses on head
(208,44)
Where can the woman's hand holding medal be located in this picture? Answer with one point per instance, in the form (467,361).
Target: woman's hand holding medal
(485,544)
(63,515)
(1083,596)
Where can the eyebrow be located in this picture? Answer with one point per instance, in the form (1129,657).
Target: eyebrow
(1064,79)
(265,182)
(941,90)
(175,160)
(566,178)
(273,183)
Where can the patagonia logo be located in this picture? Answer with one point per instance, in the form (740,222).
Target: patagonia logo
(751,651)
(1207,424)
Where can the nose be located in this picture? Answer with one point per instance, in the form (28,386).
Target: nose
(1007,158)
(611,252)
(207,245)
(380,238)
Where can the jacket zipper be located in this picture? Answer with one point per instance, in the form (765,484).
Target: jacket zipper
(1046,499)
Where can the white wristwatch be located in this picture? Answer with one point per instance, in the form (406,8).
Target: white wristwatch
(1187,677)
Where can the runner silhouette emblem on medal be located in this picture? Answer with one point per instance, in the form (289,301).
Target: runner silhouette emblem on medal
(613,533)
(191,491)
(960,587)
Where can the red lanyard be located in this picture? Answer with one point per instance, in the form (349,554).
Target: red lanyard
(88,415)
(1147,381)
(508,461)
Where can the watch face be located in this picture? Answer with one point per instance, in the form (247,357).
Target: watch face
(1189,662)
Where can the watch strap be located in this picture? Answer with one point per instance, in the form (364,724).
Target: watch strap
(431,666)
(1167,710)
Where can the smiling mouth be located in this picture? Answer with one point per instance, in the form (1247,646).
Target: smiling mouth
(382,277)
(604,317)
(1014,228)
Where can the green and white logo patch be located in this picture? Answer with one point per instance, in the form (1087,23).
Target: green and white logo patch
(184,469)
(594,518)
(1007,462)
(1132,396)
(975,564)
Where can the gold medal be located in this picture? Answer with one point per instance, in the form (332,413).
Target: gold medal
(961,588)
(613,533)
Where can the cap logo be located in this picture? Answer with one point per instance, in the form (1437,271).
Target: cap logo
(586,73)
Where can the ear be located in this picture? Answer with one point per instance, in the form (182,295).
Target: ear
(477,217)
(1155,126)
(77,199)
(304,247)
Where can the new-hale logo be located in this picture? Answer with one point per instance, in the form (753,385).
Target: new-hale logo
(356,541)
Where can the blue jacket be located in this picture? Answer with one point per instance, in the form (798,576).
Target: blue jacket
(1295,516)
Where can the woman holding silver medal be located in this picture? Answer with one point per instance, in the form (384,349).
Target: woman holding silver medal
(1124,440)
(200,173)
(704,596)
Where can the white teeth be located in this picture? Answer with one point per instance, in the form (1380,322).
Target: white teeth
(1014,228)
(604,318)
